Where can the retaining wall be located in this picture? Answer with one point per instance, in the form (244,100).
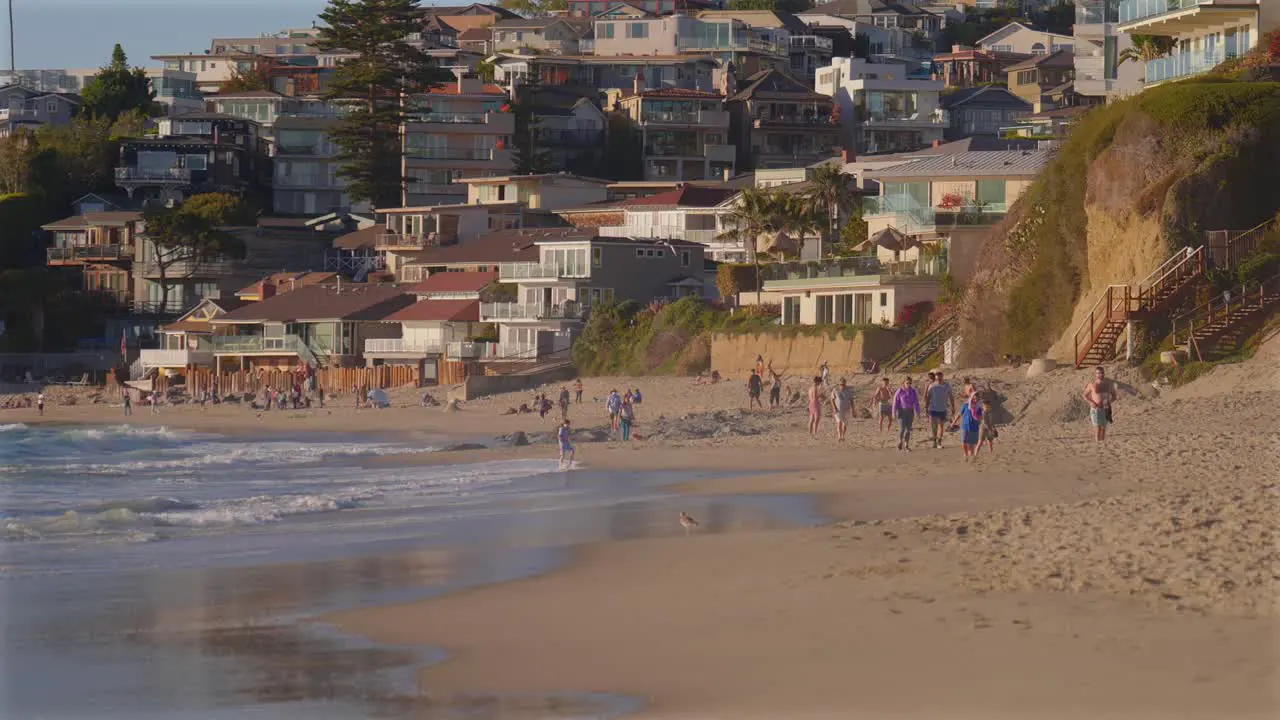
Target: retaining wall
(735,355)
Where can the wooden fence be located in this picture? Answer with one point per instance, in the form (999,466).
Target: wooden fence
(331,380)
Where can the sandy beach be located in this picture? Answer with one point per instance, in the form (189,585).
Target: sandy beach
(1058,578)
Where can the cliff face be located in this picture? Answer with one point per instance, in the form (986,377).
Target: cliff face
(1133,182)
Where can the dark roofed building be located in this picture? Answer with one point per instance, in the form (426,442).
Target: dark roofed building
(982,111)
(779,121)
(313,303)
(453,284)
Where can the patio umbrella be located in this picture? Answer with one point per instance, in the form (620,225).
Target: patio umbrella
(777,242)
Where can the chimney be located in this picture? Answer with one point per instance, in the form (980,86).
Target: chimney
(266,289)
(637,84)
(937,143)
(728,174)
(847,156)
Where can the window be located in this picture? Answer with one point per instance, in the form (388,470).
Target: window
(685,258)
(660,253)
(597,257)
(637,30)
(52,107)
(884,299)
(639,253)
(791,310)
(826,309)
(1037,48)
(605,30)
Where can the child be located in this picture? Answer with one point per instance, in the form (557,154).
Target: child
(566,447)
(988,432)
(970,420)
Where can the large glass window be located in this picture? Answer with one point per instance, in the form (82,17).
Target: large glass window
(991,192)
(637,30)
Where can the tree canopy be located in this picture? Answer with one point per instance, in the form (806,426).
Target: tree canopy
(791,6)
(535,8)
(118,89)
(383,70)
(220,209)
(184,237)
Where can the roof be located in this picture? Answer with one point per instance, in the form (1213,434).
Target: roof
(201,115)
(1014,26)
(685,196)
(110,217)
(290,280)
(452,89)
(453,282)
(987,94)
(439,310)
(775,84)
(248,94)
(1056,59)
(969,164)
(1065,112)
(532,176)
(495,247)
(345,301)
(473,9)
(365,238)
(759,18)
(475,33)
(531,23)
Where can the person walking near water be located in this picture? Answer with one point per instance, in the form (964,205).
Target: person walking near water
(626,418)
(882,403)
(1100,394)
(613,404)
(775,388)
(564,402)
(815,404)
(566,446)
(128,403)
(824,371)
(988,433)
(842,408)
(577,391)
(970,420)
(906,405)
(754,386)
(155,402)
(942,405)
(40,403)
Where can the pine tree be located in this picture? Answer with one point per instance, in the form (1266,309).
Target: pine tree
(529,156)
(118,89)
(374,85)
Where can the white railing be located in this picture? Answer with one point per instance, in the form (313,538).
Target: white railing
(539,271)
(156,175)
(1184,64)
(151,358)
(800,42)
(471,350)
(400,345)
(1135,10)
(531,311)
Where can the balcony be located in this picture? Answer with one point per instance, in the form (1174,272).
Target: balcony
(401,346)
(539,271)
(910,216)
(304,150)
(396,241)
(487,155)
(309,181)
(19,114)
(175,176)
(1182,65)
(868,267)
(175,358)
(938,118)
(471,351)
(811,42)
(497,123)
(815,122)
(87,253)
(260,345)
(492,312)
(575,138)
(1177,17)
(185,269)
(703,118)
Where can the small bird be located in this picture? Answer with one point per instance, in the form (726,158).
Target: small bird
(687,522)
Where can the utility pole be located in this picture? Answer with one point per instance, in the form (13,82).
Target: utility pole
(13,68)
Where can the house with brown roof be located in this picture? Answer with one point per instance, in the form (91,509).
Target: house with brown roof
(459,130)
(544,34)
(684,133)
(283,282)
(101,246)
(779,121)
(188,341)
(317,325)
(690,212)
(439,325)
(1034,79)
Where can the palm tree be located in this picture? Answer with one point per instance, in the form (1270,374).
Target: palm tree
(829,194)
(1147,48)
(754,214)
(800,217)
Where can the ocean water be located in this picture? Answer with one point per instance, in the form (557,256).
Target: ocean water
(154,573)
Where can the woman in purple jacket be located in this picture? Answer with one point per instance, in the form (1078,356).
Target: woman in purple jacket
(906,405)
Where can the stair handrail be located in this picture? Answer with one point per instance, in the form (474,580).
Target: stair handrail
(1221,306)
(1234,250)
(1096,322)
(895,360)
(1175,266)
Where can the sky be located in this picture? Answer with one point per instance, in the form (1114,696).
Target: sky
(81,33)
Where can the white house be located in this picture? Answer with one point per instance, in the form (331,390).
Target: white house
(1207,32)
(1018,38)
(881,109)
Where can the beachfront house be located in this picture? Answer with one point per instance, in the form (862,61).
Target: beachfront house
(316,325)
(188,341)
(1206,32)
(547,191)
(574,269)
(100,248)
(440,325)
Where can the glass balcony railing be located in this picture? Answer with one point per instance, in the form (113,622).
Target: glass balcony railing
(462,118)
(1183,65)
(426,153)
(1135,10)
(539,271)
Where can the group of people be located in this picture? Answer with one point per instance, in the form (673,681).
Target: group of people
(622,411)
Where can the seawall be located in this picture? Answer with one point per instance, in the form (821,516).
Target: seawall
(735,355)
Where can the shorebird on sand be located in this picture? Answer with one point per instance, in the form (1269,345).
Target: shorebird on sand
(687,522)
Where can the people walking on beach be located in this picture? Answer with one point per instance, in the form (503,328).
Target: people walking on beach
(882,402)
(613,405)
(760,365)
(970,421)
(577,391)
(988,432)
(1100,393)
(906,405)
(942,405)
(636,398)
(566,446)
(564,402)
(969,388)
(815,404)
(824,371)
(128,403)
(626,418)
(775,388)
(40,402)
(754,386)
(155,402)
(842,407)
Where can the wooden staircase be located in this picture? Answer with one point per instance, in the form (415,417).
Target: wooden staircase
(1223,320)
(922,347)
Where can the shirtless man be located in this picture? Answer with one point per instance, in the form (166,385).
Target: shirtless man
(1100,394)
(882,402)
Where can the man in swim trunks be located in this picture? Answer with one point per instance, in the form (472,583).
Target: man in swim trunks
(566,447)
(883,401)
(815,404)
(941,406)
(1100,394)
(755,384)
(906,405)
